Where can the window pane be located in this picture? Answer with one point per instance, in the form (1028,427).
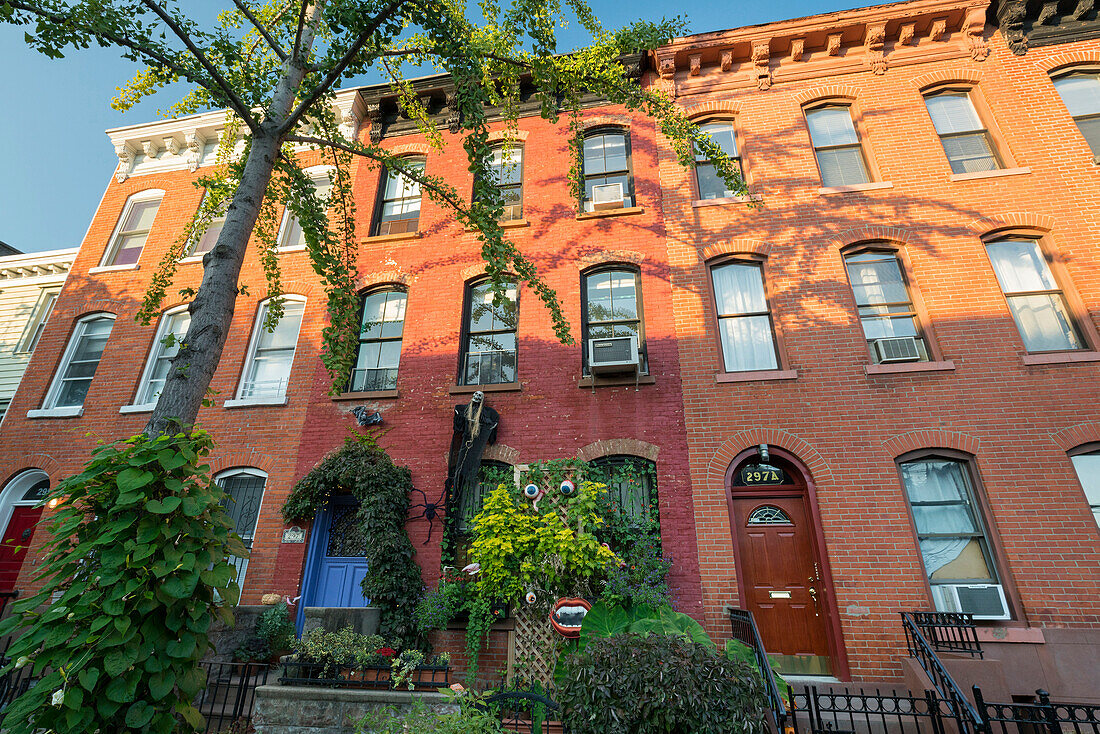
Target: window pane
(955,559)
(1043,322)
(842,167)
(129,248)
(484,316)
(876,278)
(383,315)
(72,393)
(1080,93)
(831,126)
(943,519)
(1090,128)
(952,113)
(739,289)
(245,493)
(747,343)
(141,216)
(882,328)
(506,166)
(397,185)
(1087,467)
(711,186)
(1020,266)
(175,324)
(286,332)
(970,153)
(604,153)
(209,238)
(76,377)
(722,134)
(935,480)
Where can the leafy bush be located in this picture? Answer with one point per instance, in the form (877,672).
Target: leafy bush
(334,650)
(605,621)
(640,580)
(275,627)
(252,650)
(635,684)
(473,717)
(438,607)
(133,573)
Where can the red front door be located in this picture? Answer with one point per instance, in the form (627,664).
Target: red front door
(13,548)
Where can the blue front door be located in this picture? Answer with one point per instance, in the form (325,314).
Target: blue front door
(340,564)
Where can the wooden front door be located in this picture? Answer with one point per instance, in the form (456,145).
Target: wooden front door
(781,581)
(16,541)
(341,565)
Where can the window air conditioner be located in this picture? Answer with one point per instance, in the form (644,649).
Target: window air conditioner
(607,196)
(897,349)
(613,355)
(983,601)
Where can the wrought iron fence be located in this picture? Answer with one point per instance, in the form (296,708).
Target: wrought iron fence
(922,651)
(745,630)
(1041,716)
(949,632)
(230,695)
(844,711)
(526,712)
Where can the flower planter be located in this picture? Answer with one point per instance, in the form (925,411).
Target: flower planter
(424,677)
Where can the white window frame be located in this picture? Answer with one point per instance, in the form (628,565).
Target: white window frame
(150,362)
(112,244)
(219,479)
(48,409)
(253,342)
(47,299)
(316,174)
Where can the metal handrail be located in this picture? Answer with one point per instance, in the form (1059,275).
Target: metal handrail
(920,649)
(950,632)
(741,620)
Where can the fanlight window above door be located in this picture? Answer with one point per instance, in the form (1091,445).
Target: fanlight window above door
(768,515)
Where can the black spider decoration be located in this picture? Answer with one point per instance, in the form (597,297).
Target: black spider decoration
(430,513)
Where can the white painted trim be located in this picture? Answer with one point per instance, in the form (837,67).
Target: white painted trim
(257,326)
(37,318)
(191,259)
(17,486)
(995,173)
(136,408)
(154,351)
(140,196)
(48,409)
(253,402)
(70,412)
(112,268)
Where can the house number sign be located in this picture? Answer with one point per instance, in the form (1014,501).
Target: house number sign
(294,534)
(752,475)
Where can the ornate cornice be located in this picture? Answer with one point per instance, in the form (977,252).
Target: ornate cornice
(55,263)
(1028,23)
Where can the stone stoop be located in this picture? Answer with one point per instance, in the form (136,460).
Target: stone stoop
(317,710)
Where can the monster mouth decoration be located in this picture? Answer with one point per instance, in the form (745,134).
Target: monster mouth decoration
(567,616)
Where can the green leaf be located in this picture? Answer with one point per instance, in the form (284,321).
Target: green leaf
(133,478)
(163,507)
(116,662)
(88,677)
(139,714)
(121,690)
(192,716)
(170,460)
(161,684)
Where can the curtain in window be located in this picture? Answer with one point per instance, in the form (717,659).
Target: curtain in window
(743,320)
(928,484)
(1042,318)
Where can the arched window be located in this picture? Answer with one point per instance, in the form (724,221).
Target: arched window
(491,475)
(745,326)
(631,487)
(128,239)
(1080,91)
(966,142)
(398,209)
(709,184)
(381,327)
(244,489)
(291,235)
(506,169)
(1087,465)
(78,366)
(886,311)
(489,347)
(837,146)
(270,355)
(611,306)
(170,332)
(608,183)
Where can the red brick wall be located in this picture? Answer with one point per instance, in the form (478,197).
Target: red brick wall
(847,426)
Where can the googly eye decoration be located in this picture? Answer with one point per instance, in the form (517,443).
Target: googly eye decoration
(532,491)
(531,597)
(567,488)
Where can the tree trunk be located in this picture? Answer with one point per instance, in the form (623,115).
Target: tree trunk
(211,312)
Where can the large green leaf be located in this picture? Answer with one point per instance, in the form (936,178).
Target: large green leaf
(161,684)
(164,506)
(119,660)
(139,714)
(603,621)
(669,622)
(134,478)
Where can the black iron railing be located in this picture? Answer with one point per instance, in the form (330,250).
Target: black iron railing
(526,712)
(833,711)
(745,630)
(425,677)
(1039,717)
(922,651)
(230,694)
(949,632)
(5,597)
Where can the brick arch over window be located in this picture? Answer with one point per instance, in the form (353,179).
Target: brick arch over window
(606,257)
(298,287)
(370,281)
(618,447)
(734,445)
(947,76)
(713,107)
(477,270)
(931,438)
(79,309)
(622,121)
(1062,61)
(1011,220)
(41,462)
(410,149)
(499,136)
(243,459)
(736,247)
(870,233)
(1078,435)
(820,94)
(501,452)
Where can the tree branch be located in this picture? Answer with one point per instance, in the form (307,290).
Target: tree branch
(263,31)
(339,67)
(235,101)
(425,51)
(298,33)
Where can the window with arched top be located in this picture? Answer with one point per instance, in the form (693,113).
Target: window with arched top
(244,495)
(605,160)
(709,184)
(270,354)
(506,170)
(381,328)
(611,307)
(966,141)
(1080,92)
(78,366)
(745,328)
(631,487)
(887,312)
(1086,463)
(489,346)
(768,515)
(132,230)
(170,332)
(398,208)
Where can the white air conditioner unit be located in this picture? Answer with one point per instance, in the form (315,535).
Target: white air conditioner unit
(897,349)
(613,355)
(607,196)
(983,601)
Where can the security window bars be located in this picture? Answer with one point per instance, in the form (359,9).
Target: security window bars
(1037,303)
(606,160)
(611,307)
(381,327)
(292,235)
(744,319)
(79,363)
(631,486)
(267,370)
(37,322)
(244,495)
(885,307)
(1087,467)
(1080,92)
(952,541)
(399,200)
(173,327)
(965,140)
(837,147)
(133,230)
(489,352)
(506,169)
(711,185)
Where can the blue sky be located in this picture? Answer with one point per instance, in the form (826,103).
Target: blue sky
(58,162)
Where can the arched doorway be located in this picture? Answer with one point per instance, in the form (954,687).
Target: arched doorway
(781,573)
(18,518)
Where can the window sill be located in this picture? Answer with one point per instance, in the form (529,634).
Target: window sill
(700,203)
(873,186)
(297,248)
(588,382)
(142,408)
(191,259)
(72,412)
(756,375)
(496,387)
(510,224)
(367,395)
(988,174)
(903,367)
(1060,358)
(112,268)
(626,211)
(391,237)
(254,402)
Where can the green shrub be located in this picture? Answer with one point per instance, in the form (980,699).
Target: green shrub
(335,650)
(133,573)
(252,650)
(275,627)
(657,684)
(473,717)
(640,580)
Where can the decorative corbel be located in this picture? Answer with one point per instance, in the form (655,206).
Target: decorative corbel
(374,114)
(974,32)
(666,67)
(349,125)
(125,155)
(1010,19)
(727,59)
(172,145)
(194,149)
(761,64)
(939,27)
(906,34)
(454,116)
(150,148)
(832,44)
(874,45)
(1084,7)
(696,63)
(798,47)
(1048,12)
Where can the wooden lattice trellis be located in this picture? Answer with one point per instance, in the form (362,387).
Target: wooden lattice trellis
(535,651)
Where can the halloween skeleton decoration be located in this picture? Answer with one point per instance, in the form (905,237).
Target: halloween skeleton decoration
(475,427)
